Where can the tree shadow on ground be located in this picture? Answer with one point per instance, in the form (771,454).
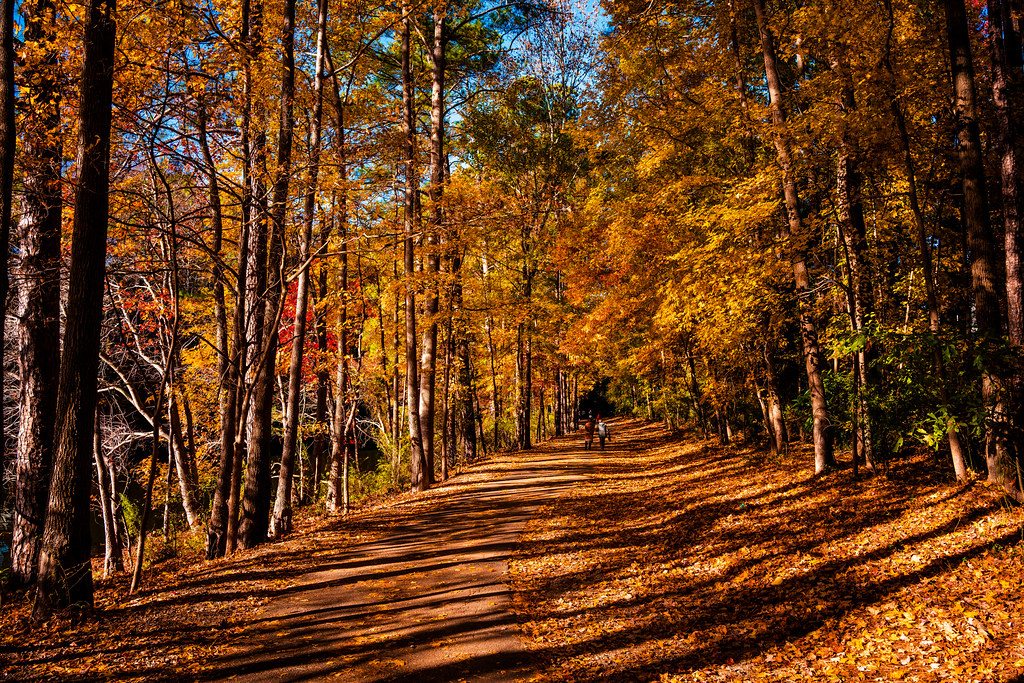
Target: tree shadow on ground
(703,564)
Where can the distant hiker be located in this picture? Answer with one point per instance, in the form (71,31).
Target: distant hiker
(603,432)
(588,435)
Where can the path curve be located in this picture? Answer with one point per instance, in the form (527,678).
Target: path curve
(427,598)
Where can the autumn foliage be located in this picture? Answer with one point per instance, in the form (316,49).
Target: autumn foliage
(321,252)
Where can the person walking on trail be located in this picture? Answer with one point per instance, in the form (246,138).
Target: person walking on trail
(588,434)
(603,432)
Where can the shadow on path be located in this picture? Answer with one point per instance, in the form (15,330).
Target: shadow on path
(426,599)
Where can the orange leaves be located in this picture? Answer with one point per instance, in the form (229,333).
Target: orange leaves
(804,582)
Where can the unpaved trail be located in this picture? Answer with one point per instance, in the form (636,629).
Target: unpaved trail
(426,598)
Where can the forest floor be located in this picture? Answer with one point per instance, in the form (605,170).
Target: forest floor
(697,562)
(658,559)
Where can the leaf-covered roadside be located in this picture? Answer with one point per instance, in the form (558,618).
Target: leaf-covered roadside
(695,562)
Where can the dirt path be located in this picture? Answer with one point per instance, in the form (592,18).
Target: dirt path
(425,598)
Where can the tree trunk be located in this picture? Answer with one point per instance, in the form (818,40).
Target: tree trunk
(337,482)
(494,385)
(575,403)
(65,572)
(217,223)
(524,361)
(431,257)
(281,523)
(793,231)
(698,399)
(168,483)
(396,372)
(420,476)
(254,214)
(322,385)
(220,517)
(182,455)
(8,150)
(38,302)
(851,224)
(716,397)
(465,413)
(1007,171)
(323,377)
(147,503)
(113,560)
(559,427)
(979,234)
(541,423)
(775,403)
(448,439)
(227,366)
(254,524)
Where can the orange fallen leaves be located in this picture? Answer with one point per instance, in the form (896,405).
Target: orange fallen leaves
(699,563)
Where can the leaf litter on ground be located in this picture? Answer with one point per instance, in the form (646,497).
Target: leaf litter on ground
(696,562)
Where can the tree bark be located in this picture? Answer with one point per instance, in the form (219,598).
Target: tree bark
(979,234)
(524,357)
(228,360)
(323,375)
(168,483)
(254,215)
(8,149)
(65,573)
(1007,172)
(793,231)
(488,325)
(282,520)
(448,434)
(337,481)
(420,476)
(147,503)
(255,522)
(465,413)
(775,403)
(183,456)
(218,531)
(396,372)
(216,217)
(559,427)
(113,560)
(38,275)
(431,256)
